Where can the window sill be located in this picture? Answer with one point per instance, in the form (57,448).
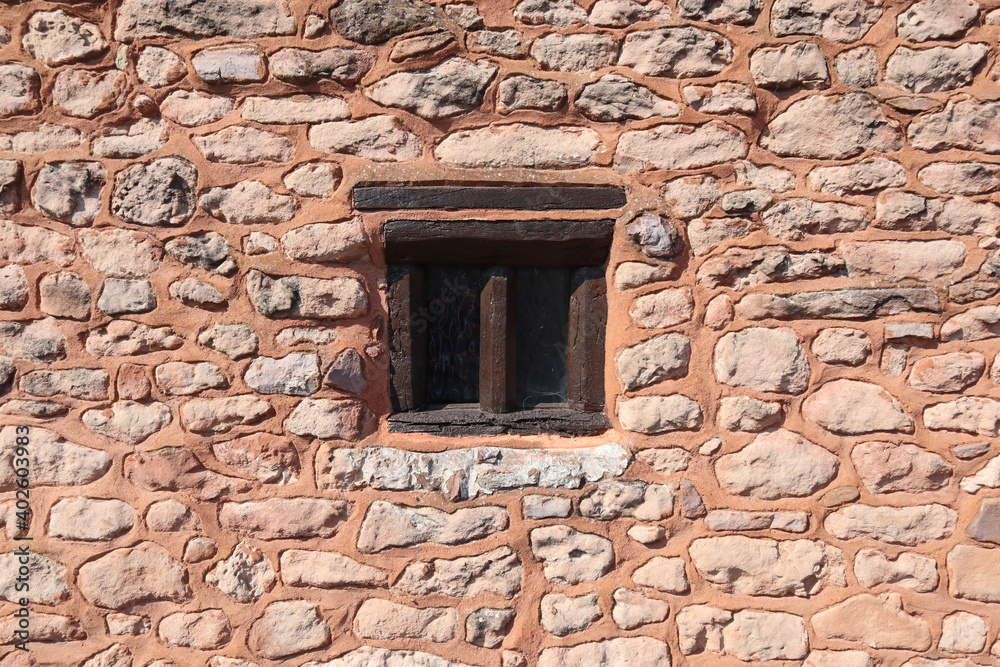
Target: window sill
(459,421)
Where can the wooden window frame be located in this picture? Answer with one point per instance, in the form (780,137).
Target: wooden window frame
(500,246)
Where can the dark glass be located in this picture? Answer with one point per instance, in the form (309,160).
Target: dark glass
(542,335)
(452,316)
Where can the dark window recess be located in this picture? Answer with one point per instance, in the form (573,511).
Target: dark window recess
(497,327)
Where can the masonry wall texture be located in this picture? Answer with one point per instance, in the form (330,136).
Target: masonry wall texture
(802,467)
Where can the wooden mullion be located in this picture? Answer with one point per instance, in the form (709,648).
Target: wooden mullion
(496,341)
(407,336)
(588,317)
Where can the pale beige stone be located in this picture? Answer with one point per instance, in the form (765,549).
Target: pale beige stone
(667,575)
(384,620)
(877,622)
(778,464)
(908,526)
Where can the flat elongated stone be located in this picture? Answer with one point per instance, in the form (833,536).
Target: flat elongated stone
(520,145)
(850,407)
(907,570)
(576,52)
(974,324)
(895,261)
(385,620)
(377,21)
(667,575)
(345,66)
(57,38)
(967,124)
(454,86)
(326,570)
(244,145)
(846,304)
(790,65)
(178,469)
(90,519)
(832,127)
(681,52)
(659,414)
(284,518)
(343,419)
(261,18)
(387,525)
(907,526)
(888,468)
(229,64)
(378,138)
(747,566)
(935,19)
(497,572)
(204,630)
(969,414)
(680,147)
(838,21)
(936,69)
(618,652)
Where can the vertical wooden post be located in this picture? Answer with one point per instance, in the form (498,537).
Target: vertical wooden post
(407,336)
(588,318)
(496,341)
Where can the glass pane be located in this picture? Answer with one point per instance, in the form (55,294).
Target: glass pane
(542,295)
(452,314)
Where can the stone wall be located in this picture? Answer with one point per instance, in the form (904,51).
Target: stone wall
(193,322)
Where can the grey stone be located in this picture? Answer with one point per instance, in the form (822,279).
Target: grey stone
(778,464)
(614,97)
(378,21)
(69,191)
(488,626)
(790,65)
(450,88)
(347,372)
(837,21)
(741,268)
(138,19)
(206,250)
(496,572)
(680,53)
(33,340)
(739,12)
(934,70)
(19,90)
(858,67)
(89,384)
(155,193)
(558,13)
(745,202)
(657,236)
(851,124)
(839,304)
(502,43)
(13,288)
(124,338)
(346,66)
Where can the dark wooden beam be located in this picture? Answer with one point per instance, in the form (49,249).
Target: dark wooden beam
(407,337)
(588,319)
(515,197)
(463,421)
(496,341)
(521,243)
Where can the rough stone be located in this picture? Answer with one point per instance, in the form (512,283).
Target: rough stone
(654,360)
(950,372)
(965,124)
(156,193)
(722,98)
(569,556)
(747,634)
(57,38)
(300,66)
(611,500)
(739,12)
(313,179)
(659,414)
(742,268)
(69,191)
(525,92)
(287,628)
(158,67)
(633,610)
(218,415)
(37,340)
(47,578)
(615,98)
(377,138)
(519,145)
(800,64)
(326,242)
(736,520)
(87,383)
(248,203)
(454,86)
(13,288)
(888,468)
(488,626)
(244,145)
(778,464)
(741,361)
(123,577)
(497,572)
(192,109)
(907,570)
(384,620)
(90,519)
(837,21)
(205,630)
(562,615)
(346,373)
(909,526)
(85,94)
(832,127)
(171,516)
(746,566)
(181,378)
(850,407)
(934,70)
(19,90)
(936,19)
(285,518)
(978,323)
(962,632)
(577,52)
(896,261)
(680,52)
(177,469)
(246,576)
(121,296)
(261,456)
(208,250)
(419,45)
(229,64)
(377,21)
(322,569)
(666,575)
(969,414)
(961,178)
(47,137)
(502,43)
(792,219)
(618,652)
(840,304)
(877,622)
(328,418)
(295,374)
(128,421)
(630,275)
(558,13)
(972,573)
(870,174)
(858,68)
(680,147)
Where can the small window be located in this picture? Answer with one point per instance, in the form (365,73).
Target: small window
(497,327)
